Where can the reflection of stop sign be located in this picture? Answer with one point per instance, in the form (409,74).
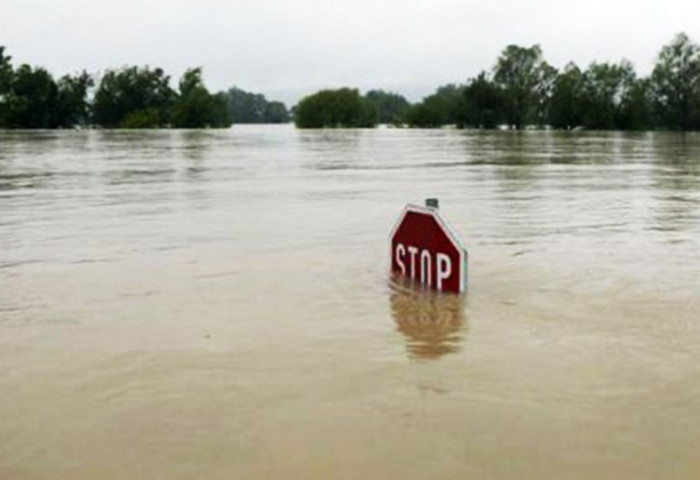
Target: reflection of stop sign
(424,250)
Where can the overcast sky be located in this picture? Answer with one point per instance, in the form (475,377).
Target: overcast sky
(286,49)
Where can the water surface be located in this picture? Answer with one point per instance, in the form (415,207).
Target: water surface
(217,304)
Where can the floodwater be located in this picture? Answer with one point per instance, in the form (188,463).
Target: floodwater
(217,305)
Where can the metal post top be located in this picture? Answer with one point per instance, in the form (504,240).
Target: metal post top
(432,203)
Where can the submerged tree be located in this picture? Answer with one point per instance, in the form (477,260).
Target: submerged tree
(429,113)
(636,109)
(72,106)
(525,79)
(5,83)
(483,103)
(522,90)
(547,76)
(246,107)
(341,108)
(606,88)
(5,70)
(195,107)
(276,112)
(675,83)
(567,102)
(444,107)
(31,100)
(452,97)
(392,107)
(133,97)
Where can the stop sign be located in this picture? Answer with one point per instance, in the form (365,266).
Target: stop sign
(424,249)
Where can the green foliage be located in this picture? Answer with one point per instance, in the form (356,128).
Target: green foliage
(483,103)
(547,77)
(72,106)
(342,108)
(5,72)
(566,105)
(523,91)
(195,107)
(430,113)
(392,107)
(452,96)
(245,107)
(144,118)
(276,112)
(526,80)
(605,97)
(636,109)
(135,94)
(445,107)
(6,75)
(32,99)
(606,87)
(675,84)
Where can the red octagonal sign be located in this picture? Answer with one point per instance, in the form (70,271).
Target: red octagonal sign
(424,249)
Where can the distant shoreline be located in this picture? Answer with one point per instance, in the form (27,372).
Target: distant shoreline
(521,91)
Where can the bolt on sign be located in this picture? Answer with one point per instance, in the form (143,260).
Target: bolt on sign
(424,250)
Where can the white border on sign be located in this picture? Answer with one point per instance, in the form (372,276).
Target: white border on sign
(463,255)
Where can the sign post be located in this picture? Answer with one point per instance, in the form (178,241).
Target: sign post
(424,250)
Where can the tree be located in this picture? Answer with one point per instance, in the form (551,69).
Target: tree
(5,71)
(276,112)
(72,105)
(566,104)
(543,92)
(525,79)
(444,107)
(452,97)
(134,93)
(5,83)
(141,118)
(195,107)
(483,103)
(635,111)
(392,107)
(246,107)
(341,108)
(431,112)
(31,98)
(31,101)
(675,84)
(606,88)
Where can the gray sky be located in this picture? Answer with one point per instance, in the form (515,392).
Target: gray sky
(287,49)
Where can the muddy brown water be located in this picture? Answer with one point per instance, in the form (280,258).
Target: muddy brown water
(217,305)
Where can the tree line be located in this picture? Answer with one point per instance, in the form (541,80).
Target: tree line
(523,90)
(128,97)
